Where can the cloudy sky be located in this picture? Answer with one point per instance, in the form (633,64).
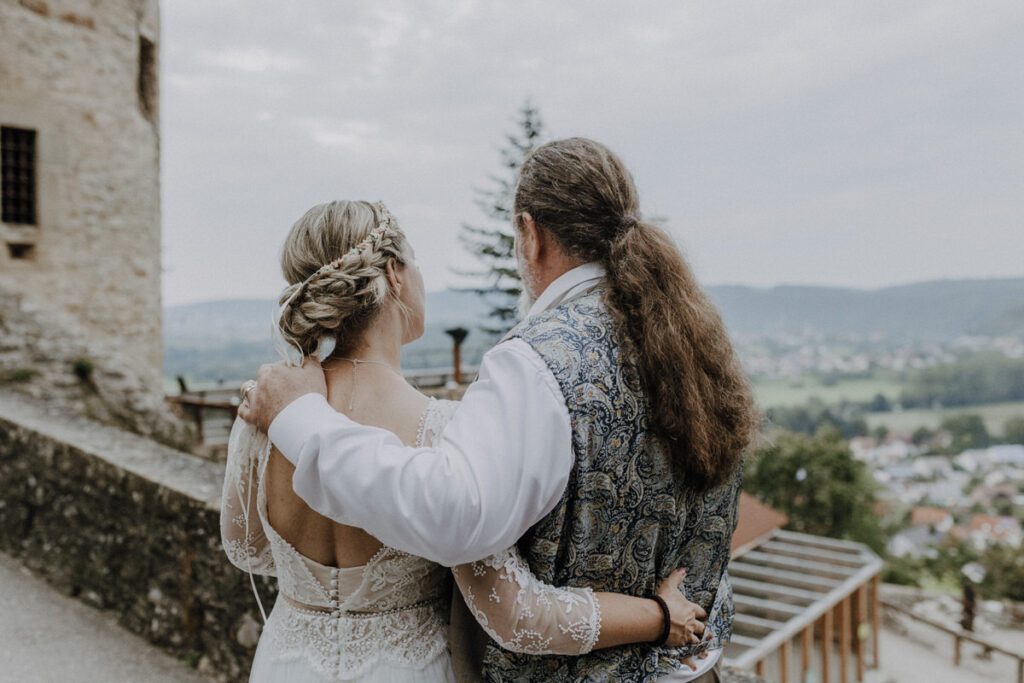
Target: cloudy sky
(861,143)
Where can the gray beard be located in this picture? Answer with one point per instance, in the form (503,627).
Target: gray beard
(525,303)
(526,299)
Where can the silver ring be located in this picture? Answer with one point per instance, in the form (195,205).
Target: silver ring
(246,388)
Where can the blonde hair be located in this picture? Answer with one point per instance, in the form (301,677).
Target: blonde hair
(335,261)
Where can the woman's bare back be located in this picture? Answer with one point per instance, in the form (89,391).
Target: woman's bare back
(383,399)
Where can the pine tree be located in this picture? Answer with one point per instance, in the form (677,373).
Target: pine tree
(493,245)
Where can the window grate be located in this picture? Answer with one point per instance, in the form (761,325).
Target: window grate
(18,175)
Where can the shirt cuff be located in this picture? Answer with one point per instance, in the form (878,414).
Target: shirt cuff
(301,420)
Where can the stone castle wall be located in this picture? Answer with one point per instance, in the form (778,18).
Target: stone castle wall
(82,73)
(47,358)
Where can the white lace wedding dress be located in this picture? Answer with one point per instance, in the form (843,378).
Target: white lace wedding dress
(384,622)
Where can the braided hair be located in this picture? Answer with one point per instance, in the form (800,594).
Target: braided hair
(335,260)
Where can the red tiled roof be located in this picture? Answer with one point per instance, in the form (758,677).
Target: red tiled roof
(756,520)
(997,527)
(926,516)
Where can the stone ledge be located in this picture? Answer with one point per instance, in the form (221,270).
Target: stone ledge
(129,526)
(166,467)
(732,675)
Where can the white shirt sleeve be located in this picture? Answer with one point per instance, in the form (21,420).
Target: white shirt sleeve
(502,463)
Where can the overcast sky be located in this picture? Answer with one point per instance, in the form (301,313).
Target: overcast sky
(855,143)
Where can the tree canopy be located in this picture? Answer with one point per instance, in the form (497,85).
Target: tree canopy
(816,481)
(1013,430)
(977,379)
(966,431)
(493,244)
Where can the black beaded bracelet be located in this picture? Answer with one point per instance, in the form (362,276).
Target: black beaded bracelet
(666,627)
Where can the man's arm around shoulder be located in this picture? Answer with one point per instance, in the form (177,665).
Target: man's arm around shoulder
(501,465)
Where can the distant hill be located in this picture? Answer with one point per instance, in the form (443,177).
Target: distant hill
(212,324)
(929,310)
(228,339)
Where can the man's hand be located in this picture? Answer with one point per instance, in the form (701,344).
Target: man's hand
(278,385)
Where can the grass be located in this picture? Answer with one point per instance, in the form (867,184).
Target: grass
(18,376)
(795,391)
(946,585)
(995,416)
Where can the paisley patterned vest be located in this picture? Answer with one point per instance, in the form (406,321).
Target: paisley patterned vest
(625,520)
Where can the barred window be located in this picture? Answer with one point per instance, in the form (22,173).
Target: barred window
(18,175)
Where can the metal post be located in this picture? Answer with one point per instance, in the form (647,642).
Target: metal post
(458,335)
(969,606)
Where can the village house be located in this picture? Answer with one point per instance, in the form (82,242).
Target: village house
(983,531)
(893,449)
(938,519)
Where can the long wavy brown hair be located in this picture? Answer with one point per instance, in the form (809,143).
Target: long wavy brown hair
(700,401)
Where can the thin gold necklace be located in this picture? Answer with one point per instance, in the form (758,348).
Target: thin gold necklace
(356,362)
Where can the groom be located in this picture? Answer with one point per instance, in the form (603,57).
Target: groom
(604,433)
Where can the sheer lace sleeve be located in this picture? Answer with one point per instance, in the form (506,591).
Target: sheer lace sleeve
(241,530)
(522,613)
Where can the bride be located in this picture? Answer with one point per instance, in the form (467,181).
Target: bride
(348,607)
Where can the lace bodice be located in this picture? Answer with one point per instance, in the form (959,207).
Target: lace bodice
(342,620)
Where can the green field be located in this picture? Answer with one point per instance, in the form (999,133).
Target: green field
(795,391)
(906,421)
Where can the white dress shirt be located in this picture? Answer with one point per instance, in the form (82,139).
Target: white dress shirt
(502,464)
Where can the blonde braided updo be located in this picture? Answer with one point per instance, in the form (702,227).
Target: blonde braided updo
(335,261)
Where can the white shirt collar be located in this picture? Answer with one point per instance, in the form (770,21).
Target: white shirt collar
(567,285)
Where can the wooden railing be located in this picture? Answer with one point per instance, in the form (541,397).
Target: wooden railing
(212,415)
(426,378)
(213,409)
(794,590)
(959,636)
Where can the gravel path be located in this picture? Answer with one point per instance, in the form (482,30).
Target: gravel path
(46,637)
(915,653)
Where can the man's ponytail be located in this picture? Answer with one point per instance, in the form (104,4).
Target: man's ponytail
(700,401)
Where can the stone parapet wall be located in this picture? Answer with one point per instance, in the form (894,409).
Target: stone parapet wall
(128,526)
